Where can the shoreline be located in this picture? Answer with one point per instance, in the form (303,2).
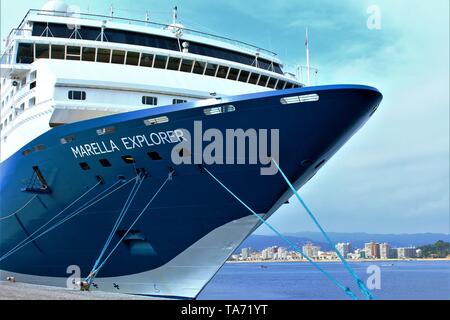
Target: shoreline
(337,260)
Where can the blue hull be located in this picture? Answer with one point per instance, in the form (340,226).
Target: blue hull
(190,207)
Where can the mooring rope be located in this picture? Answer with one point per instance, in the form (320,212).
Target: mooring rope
(18,210)
(344,288)
(362,287)
(84,207)
(95,271)
(126,206)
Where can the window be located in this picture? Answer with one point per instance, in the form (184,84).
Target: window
(199,67)
(77,95)
(22,106)
(155,121)
(146,60)
(31,102)
(233,74)
(67,139)
(174,63)
(88,54)
(85,166)
(39,148)
(280,84)
(178,101)
(222,72)
(105,163)
(154,155)
(253,78)
(243,77)
(263,81)
(211,69)
(42,51)
(25,53)
(128,159)
(186,65)
(33,75)
(58,52)
(73,53)
(105,131)
(118,57)
(272,83)
(33,85)
(103,55)
(160,62)
(289,85)
(153,101)
(154,41)
(132,58)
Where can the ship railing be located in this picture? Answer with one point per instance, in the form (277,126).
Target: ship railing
(302,74)
(18,32)
(88,16)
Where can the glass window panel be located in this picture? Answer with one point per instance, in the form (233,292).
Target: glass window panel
(186,65)
(88,54)
(199,67)
(58,52)
(253,78)
(211,69)
(289,85)
(222,72)
(160,62)
(243,77)
(233,74)
(280,84)
(103,55)
(118,57)
(73,50)
(133,58)
(25,53)
(146,60)
(263,80)
(42,51)
(272,83)
(174,63)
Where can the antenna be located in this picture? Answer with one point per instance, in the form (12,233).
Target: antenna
(147,16)
(308,67)
(111,10)
(175,15)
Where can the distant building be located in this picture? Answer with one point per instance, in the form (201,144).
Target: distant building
(344,248)
(311,251)
(385,251)
(245,253)
(327,255)
(406,253)
(372,250)
(393,253)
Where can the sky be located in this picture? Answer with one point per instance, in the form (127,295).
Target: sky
(393,175)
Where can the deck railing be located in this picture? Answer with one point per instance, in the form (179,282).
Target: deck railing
(88,16)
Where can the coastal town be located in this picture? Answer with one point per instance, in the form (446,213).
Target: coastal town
(371,251)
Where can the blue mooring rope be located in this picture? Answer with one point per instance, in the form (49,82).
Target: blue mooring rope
(344,288)
(362,287)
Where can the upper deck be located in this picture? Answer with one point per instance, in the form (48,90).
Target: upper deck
(174,37)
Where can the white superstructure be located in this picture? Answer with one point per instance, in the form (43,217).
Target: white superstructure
(60,68)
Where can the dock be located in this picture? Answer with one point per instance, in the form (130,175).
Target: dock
(23,291)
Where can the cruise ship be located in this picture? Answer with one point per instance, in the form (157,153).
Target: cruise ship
(93,110)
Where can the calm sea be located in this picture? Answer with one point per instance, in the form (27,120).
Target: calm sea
(292,281)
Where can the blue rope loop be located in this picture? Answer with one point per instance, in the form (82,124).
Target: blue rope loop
(292,245)
(362,287)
